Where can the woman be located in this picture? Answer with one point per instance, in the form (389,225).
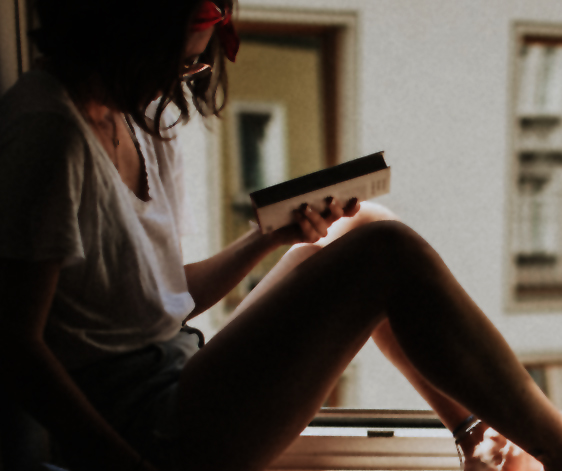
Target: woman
(94,292)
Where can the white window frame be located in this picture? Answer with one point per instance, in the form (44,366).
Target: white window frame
(275,144)
(518,32)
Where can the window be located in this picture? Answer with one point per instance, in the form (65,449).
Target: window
(260,152)
(547,373)
(252,131)
(539,375)
(536,233)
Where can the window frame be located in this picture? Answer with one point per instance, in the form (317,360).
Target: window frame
(371,451)
(345,91)
(278,170)
(520,31)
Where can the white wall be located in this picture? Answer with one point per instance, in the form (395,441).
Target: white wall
(439,76)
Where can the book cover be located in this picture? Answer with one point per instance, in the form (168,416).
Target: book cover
(363,178)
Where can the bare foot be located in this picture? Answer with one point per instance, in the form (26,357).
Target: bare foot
(489,451)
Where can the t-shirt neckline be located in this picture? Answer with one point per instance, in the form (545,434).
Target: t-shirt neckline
(92,137)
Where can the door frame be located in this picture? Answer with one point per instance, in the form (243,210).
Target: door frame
(345,100)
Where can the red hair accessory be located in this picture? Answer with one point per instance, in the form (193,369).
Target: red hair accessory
(210,15)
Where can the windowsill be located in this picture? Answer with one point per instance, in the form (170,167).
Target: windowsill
(538,259)
(420,446)
(528,292)
(539,119)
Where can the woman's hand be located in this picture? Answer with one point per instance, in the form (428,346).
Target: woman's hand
(310,225)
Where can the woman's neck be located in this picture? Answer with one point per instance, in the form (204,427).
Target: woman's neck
(97,112)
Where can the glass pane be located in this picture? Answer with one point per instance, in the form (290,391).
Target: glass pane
(252,129)
(536,233)
(538,373)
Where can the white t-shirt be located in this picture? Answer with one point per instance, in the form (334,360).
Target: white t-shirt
(122,285)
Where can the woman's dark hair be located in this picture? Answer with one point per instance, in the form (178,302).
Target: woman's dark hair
(125,53)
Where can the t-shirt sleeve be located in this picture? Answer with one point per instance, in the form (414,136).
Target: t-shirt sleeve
(41,177)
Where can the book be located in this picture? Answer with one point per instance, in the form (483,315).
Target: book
(363,178)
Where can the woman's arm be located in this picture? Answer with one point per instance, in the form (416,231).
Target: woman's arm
(212,279)
(37,380)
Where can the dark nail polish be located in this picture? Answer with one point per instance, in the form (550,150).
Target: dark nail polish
(329,199)
(303,206)
(350,204)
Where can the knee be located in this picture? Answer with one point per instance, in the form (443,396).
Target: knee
(378,256)
(372,212)
(388,232)
(390,243)
(368,212)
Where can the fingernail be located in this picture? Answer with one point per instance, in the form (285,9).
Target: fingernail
(303,206)
(329,200)
(353,201)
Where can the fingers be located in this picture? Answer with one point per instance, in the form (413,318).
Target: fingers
(313,225)
(333,210)
(351,208)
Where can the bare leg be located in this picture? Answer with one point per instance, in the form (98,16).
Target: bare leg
(484,448)
(264,376)
(450,412)
(368,212)
(484,441)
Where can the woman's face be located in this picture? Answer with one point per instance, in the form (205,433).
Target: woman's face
(197,42)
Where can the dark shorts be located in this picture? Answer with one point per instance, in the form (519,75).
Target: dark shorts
(137,394)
